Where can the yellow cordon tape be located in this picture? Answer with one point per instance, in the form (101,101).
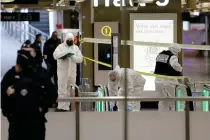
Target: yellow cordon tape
(95,61)
(143,73)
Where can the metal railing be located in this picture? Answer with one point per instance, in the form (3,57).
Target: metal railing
(148,99)
(22,31)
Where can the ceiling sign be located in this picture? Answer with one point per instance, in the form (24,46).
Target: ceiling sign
(17,16)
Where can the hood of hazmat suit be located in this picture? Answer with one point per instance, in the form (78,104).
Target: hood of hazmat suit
(174,48)
(66,68)
(134,83)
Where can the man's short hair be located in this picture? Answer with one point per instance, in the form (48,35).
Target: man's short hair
(38,35)
(55,32)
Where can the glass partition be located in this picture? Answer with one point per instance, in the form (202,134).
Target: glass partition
(100,105)
(206,93)
(180,105)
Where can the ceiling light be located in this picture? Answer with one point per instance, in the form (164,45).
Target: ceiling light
(183,2)
(205,4)
(194,13)
(11,9)
(80,0)
(7,1)
(50,10)
(145,1)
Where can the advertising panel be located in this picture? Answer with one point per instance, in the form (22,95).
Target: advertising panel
(160,28)
(150,31)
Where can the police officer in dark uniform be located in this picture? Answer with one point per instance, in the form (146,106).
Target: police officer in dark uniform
(49,47)
(37,45)
(24,102)
(37,67)
(167,64)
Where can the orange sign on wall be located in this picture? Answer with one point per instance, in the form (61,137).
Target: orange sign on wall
(59,26)
(76,40)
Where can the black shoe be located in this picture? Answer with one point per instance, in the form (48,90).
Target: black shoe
(55,105)
(61,110)
(115,108)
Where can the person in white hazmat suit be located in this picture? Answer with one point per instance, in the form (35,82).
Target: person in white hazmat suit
(116,86)
(167,64)
(67,55)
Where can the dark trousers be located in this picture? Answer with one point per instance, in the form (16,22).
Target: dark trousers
(27,130)
(52,71)
(53,74)
(78,78)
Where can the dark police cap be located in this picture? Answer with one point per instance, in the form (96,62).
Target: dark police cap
(26,43)
(24,59)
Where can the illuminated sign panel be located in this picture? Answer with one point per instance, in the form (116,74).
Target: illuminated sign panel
(117,3)
(144,57)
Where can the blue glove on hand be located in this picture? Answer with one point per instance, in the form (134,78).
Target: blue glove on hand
(70,57)
(130,108)
(111,107)
(69,54)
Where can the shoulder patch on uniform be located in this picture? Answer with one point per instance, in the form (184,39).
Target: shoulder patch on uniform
(24,92)
(17,77)
(163,58)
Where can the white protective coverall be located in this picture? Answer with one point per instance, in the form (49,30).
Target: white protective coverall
(135,86)
(168,84)
(66,69)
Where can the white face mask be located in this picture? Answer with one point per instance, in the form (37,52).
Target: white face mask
(115,83)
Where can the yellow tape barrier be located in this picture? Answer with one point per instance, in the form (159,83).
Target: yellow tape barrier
(143,73)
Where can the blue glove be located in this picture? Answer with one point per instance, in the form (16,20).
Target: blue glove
(111,107)
(70,57)
(130,108)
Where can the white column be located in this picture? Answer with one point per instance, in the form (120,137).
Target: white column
(52,21)
(186,25)
(25,27)
(60,17)
(55,17)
